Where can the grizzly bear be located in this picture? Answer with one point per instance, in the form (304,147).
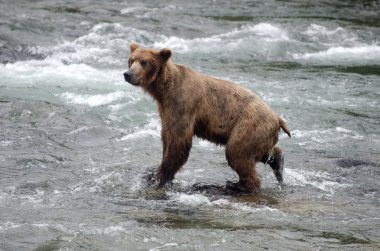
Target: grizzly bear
(222,112)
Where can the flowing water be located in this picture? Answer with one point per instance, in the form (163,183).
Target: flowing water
(76,141)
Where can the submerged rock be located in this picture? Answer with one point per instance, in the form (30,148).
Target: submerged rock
(347,163)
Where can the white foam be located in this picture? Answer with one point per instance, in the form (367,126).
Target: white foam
(117,107)
(136,184)
(342,130)
(151,239)
(320,180)
(152,129)
(78,130)
(139,11)
(238,39)
(141,134)
(170,245)
(331,37)
(100,56)
(315,29)
(362,55)
(269,31)
(324,136)
(41,225)
(206,144)
(271,97)
(107,180)
(52,71)
(91,60)
(9,225)
(113,230)
(105,44)
(145,12)
(243,207)
(94,100)
(6,142)
(191,199)
(136,9)
(200,200)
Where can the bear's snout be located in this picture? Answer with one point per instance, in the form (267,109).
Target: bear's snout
(129,77)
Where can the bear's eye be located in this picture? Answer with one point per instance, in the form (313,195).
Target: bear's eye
(143,63)
(130,62)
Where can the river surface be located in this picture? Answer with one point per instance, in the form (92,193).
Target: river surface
(77,141)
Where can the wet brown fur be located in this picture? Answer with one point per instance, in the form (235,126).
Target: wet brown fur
(216,110)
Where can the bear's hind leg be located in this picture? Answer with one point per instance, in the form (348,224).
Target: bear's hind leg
(245,167)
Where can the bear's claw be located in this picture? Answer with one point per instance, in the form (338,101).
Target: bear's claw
(150,178)
(238,187)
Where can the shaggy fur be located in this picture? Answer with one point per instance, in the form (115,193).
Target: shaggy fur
(216,110)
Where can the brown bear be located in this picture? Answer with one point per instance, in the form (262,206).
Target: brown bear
(216,110)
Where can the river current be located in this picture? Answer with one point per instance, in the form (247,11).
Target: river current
(77,141)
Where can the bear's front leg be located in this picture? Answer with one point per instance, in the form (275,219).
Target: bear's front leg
(176,152)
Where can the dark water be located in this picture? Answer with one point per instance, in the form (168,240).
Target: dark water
(76,140)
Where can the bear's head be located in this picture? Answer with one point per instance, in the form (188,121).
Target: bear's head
(145,65)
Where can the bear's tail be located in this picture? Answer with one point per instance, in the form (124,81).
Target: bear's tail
(284,126)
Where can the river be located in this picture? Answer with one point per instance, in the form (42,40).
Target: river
(77,141)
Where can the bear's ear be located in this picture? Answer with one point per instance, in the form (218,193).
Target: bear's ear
(165,54)
(133,47)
